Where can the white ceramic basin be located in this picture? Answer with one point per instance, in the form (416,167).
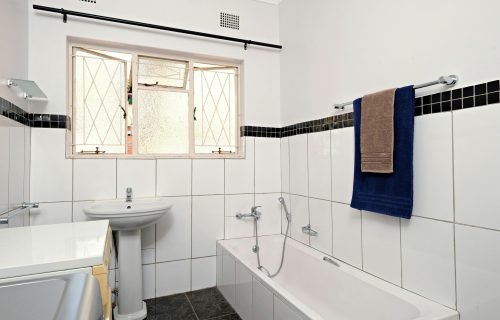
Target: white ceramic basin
(123,215)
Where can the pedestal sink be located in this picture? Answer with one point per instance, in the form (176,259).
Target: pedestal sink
(128,218)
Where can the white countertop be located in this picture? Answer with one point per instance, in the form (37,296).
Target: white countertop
(47,248)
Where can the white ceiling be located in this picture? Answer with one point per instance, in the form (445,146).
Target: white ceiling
(271,1)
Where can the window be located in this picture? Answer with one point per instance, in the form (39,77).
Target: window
(140,104)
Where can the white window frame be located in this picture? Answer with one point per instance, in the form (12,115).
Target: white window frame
(161,54)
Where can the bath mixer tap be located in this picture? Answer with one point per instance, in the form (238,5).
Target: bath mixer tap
(129,195)
(254,213)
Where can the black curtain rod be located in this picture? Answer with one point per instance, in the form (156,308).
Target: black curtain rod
(67,13)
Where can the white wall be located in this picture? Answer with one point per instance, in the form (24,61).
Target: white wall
(335,51)
(340,50)
(14,54)
(179,253)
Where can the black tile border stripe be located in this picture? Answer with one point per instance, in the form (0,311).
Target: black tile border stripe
(452,100)
(35,120)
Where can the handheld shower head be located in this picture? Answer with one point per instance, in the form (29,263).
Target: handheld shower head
(283,203)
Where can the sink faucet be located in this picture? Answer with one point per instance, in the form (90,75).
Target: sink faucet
(129,194)
(253,214)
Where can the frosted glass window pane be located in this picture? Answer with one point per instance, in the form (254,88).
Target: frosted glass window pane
(169,73)
(215,99)
(163,122)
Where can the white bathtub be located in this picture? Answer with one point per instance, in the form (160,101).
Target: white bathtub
(310,288)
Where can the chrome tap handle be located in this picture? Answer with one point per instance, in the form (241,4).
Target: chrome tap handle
(254,209)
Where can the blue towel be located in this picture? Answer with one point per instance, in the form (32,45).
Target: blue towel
(390,194)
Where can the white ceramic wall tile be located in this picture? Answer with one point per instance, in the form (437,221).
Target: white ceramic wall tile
(243,292)
(16,167)
(148,237)
(208,176)
(173,277)
(27,163)
(111,283)
(78,213)
(285,165)
(319,165)
(433,170)
(235,228)
(321,221)
(148,256)
(228,288)
(342,164)
(203,273)
(4,169)
(51,172)
(173,177)
(428,259)
(148,281)
(50,213)
(173,231)
(270,221)
(476,166)
(262,302)
(299,210)
(284,220)
(239,174)
(283,312)
(220,252)
(140,175)
(298,165)
(347,234)
(267,165)
(94,179)
(236,203)
(478,279)
(382,246)
(207,224)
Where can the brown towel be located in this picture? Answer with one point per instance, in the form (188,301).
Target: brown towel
(377,132)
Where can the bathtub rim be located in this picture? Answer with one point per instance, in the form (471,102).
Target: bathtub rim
(431,309)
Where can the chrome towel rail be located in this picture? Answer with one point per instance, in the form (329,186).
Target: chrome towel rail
(22,206)
(449,81)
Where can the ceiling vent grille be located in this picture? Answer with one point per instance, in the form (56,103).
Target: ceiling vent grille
(88,1)
(230,21)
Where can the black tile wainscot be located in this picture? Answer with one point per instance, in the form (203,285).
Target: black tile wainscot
(35,120)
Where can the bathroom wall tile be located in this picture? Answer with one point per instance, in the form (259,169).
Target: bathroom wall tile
(262,301)
(243,292)
(428,259)
(342,164)
(94,179)
(285,164)
(173,177)
(16,167)
(173,277)
(203,273)
(270,221)
(148,237)
(235,228)
(112,283)
(4,169)
(51,213)
(478,280)
(319,165)
(267,165)
(228,284)
(347,234)
(219,265)
(148,256)
(51,172)
(78,213)
(148,281)
(476,166)
(284,220)
(381,246)
(173,231)
(207,225)
(238,203)
(283,311)
(208,176)
(299,209)
(298,165)
(321,221)
(27,164)
(433,170)
(239,174)
(140,175)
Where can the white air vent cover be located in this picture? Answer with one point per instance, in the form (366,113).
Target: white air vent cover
(88,1)
(230,21)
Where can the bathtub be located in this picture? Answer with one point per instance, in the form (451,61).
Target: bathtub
(310,288)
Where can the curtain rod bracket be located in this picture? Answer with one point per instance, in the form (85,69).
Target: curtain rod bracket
(246,45)
(65,16)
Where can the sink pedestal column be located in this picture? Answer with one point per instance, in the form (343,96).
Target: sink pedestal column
(130,303)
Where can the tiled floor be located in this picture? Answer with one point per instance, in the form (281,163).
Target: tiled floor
(196,305)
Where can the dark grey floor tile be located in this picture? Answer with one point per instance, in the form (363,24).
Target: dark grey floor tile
(233,316)
(175,307)
(209,304)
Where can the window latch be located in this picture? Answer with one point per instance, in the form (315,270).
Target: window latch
(97,151)
(124,111)
(150,84)
(220,151)
(194,114)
